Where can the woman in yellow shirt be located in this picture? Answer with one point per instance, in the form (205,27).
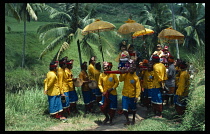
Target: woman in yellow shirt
(107,84)
(182,91)
(73,97)
(130,93)
(147,85)
(53,93)
(86,91)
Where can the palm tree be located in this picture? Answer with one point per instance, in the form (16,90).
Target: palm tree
(155,16)
(193,14)
(23,11)
(68,30)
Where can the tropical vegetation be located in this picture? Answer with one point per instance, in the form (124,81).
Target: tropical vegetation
(57,33)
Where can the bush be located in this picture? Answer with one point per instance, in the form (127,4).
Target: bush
(194,119)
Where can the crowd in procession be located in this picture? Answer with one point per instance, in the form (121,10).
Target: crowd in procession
(155,81)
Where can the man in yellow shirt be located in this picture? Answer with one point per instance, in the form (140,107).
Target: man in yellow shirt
(182,91)
(107,84)
(53,93)
(97,91)
(86,91)
(158,82)
(130,93)
(73,97)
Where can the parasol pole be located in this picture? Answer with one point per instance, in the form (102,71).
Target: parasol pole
(174,26)
(101,46)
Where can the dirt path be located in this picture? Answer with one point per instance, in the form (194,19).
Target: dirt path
(118,121)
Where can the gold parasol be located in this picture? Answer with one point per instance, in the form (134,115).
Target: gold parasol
(98,26)
(130,26)
(170,34)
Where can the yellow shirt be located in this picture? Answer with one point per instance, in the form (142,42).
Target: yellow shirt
(62,80)
(131,86)
(92,72)
(147,80)
(97,74)
(51,84)
(183,84)
(107,81)
(69,79)
(159,74)
(84,76)
(178,70)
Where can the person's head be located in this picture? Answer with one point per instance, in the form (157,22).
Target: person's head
(98,66)
(165,50)
(62,62)
(123,48)
(107,66)
(159,47)
(132,70)
(52,66)
(145,62)
(84,66)
(130,47)
(92,60)
(69,64)
(155,58)
(56,62)
(177,62)
(183,65)
(170,59)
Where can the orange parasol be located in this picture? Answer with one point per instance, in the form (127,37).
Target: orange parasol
(142,33)
(98,26)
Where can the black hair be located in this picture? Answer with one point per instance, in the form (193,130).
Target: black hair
(62,60)
(52,68)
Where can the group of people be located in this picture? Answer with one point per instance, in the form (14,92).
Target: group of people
(149,80)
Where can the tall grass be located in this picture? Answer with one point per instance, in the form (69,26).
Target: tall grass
(26,111)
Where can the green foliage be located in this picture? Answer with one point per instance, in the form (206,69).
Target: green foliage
(194,119)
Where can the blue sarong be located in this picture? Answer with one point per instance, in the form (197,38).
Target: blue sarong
(55,105)
(128,103)
(156,96)
(180,100)
(113,101)
(87,97)
(73,98)
(147,93)
(66,104)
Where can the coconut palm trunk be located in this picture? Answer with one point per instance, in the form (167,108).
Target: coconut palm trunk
(174,26)
(24,41)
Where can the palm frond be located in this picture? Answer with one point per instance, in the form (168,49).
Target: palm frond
(31,12)
(87,49)
(47,27)
(63,47)
(55,32)
(52,45)
(12,10)
(49,9)
(189,30)
(61,15)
